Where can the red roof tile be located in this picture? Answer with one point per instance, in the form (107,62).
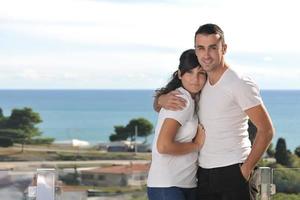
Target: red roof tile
(119,169)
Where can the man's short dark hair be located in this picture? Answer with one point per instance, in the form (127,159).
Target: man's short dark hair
(208,29)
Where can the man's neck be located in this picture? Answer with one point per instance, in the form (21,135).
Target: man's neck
(215,75)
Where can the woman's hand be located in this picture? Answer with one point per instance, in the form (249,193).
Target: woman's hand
(200,136)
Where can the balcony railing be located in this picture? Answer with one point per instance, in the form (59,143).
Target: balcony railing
(48,184)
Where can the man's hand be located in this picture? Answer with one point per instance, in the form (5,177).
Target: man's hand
(246,172)
(171,101)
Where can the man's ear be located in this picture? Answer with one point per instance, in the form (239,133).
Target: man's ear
(179,74)
(224,48)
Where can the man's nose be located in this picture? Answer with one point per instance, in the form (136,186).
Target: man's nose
(206,53)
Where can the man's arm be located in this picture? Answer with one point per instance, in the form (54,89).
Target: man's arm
(169,101)
(156,106)
(265,131)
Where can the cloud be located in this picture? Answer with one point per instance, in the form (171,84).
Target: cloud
(267,58)
(67,43)
(101,22)
(30,74)
(90,69)
(272,77)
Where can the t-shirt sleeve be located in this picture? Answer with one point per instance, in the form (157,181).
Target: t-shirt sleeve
(247,94)
(180,115)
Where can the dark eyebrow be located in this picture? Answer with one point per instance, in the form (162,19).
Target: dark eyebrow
(213,45)
(198,46)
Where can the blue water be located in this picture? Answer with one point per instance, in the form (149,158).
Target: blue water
(91,114)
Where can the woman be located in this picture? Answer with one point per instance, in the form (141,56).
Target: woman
(178,137)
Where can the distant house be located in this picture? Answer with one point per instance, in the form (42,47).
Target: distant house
(118,146)
(119,175)
(71,193)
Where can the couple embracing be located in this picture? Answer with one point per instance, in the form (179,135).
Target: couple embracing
(201,148)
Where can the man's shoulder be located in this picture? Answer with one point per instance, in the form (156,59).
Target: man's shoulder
(240,79)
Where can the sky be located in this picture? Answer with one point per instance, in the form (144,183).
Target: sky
(131,44)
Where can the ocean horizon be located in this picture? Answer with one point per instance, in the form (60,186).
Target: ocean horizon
(91,114)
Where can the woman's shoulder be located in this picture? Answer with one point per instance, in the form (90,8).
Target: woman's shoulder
(186,95)
(180,115)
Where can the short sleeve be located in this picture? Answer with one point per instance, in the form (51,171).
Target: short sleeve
(180,115)
(247,94)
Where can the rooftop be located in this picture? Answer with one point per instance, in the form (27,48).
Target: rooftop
(119,169)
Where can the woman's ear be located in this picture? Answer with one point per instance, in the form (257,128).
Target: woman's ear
(179,74)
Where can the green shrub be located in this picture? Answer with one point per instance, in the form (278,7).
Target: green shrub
(287,180)
(41,141)
(281,196)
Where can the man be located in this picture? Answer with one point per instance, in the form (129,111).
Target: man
(228,100)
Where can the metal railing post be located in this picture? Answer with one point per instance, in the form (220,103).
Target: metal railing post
(45,189)
(266,186)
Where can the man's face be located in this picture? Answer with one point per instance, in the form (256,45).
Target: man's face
(210,51)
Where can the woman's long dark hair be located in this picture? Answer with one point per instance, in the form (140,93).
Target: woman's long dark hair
(188,60)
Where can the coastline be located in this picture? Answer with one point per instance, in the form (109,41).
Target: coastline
(91,115)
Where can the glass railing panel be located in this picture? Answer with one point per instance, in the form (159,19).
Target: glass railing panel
(126,182)
(14,184)
(287,181)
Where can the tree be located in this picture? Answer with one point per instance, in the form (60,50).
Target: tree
(121,133)
(24,119)
(19,127)
(144,128)
(14,135)
(281,154)
(2,118)
(297,151)
(270,150)
(1,114)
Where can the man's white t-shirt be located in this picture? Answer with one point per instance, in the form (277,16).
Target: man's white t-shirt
(221,112)
(180,170)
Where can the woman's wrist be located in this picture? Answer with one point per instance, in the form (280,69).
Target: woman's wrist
(196,146)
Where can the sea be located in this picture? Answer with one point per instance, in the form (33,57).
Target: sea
(91,115)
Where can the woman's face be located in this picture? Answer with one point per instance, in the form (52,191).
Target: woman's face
(193,80)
